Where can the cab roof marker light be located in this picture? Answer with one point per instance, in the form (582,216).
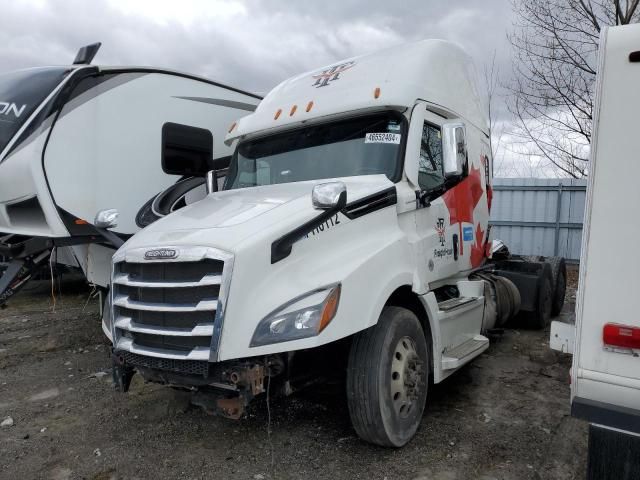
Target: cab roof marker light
(309,106)
(293,110)
(278,113)
(621,336)
(376,93)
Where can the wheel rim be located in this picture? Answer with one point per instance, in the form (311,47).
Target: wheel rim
(407,377)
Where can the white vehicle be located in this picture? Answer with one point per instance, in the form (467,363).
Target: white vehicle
(82,139)
(351,235)
(605,386)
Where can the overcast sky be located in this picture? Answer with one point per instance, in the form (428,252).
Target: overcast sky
(250,44)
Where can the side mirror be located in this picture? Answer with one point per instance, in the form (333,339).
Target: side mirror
(454,149)
(186,150)
(332,195)
(106,218)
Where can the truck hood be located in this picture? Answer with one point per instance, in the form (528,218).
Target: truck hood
(225,219)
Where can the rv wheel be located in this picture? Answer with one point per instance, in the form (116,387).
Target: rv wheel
(387,379)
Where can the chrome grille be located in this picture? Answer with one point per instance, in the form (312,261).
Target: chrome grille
(170,309)
(159,271)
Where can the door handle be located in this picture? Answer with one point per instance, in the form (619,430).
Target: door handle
(455,247)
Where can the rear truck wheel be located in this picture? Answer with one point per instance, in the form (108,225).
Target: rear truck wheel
(559,275)
(539,318)
(388,378)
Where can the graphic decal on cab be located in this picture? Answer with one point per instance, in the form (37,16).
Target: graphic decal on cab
(331,74)
(461,201)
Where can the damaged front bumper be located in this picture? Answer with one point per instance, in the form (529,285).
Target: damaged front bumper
(224,388)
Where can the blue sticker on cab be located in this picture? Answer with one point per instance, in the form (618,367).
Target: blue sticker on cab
(467,234)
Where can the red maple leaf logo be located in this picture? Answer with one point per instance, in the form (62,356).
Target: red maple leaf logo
(462,199)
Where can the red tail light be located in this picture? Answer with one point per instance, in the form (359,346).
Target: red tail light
(623,336)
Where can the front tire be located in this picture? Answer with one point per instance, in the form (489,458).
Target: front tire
(387,378)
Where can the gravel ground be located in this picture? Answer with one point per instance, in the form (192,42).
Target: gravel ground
(505,416)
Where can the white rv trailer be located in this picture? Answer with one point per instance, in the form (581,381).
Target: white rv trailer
(605,342)
(351,236)
(81,139)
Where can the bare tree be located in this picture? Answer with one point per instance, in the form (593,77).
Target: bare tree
(491,76)
(551,96)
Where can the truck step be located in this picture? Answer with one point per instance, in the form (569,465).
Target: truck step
(458,356)
(454,303)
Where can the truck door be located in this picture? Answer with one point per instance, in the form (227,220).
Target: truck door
(437,246)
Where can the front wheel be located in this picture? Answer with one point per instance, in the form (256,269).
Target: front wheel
(387,378)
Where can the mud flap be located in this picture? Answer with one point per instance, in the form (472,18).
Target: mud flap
(613,455)
(122,374)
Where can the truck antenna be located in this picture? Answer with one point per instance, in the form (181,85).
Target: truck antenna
(86,54)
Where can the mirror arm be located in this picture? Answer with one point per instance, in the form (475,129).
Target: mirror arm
(422,199)
(211,181)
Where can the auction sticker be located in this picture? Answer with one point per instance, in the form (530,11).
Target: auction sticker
(382,138)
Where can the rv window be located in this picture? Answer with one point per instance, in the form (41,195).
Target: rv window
(430,173)
(366,145)
(21,93)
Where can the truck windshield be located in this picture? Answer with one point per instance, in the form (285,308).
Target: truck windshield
(20,94)
(364,145)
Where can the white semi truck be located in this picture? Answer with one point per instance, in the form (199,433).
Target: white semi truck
(83,139)
(351,236)
(605,340)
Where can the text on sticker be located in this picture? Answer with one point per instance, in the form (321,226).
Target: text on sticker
(382,138)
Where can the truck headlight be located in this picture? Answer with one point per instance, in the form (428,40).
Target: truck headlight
(305,316)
